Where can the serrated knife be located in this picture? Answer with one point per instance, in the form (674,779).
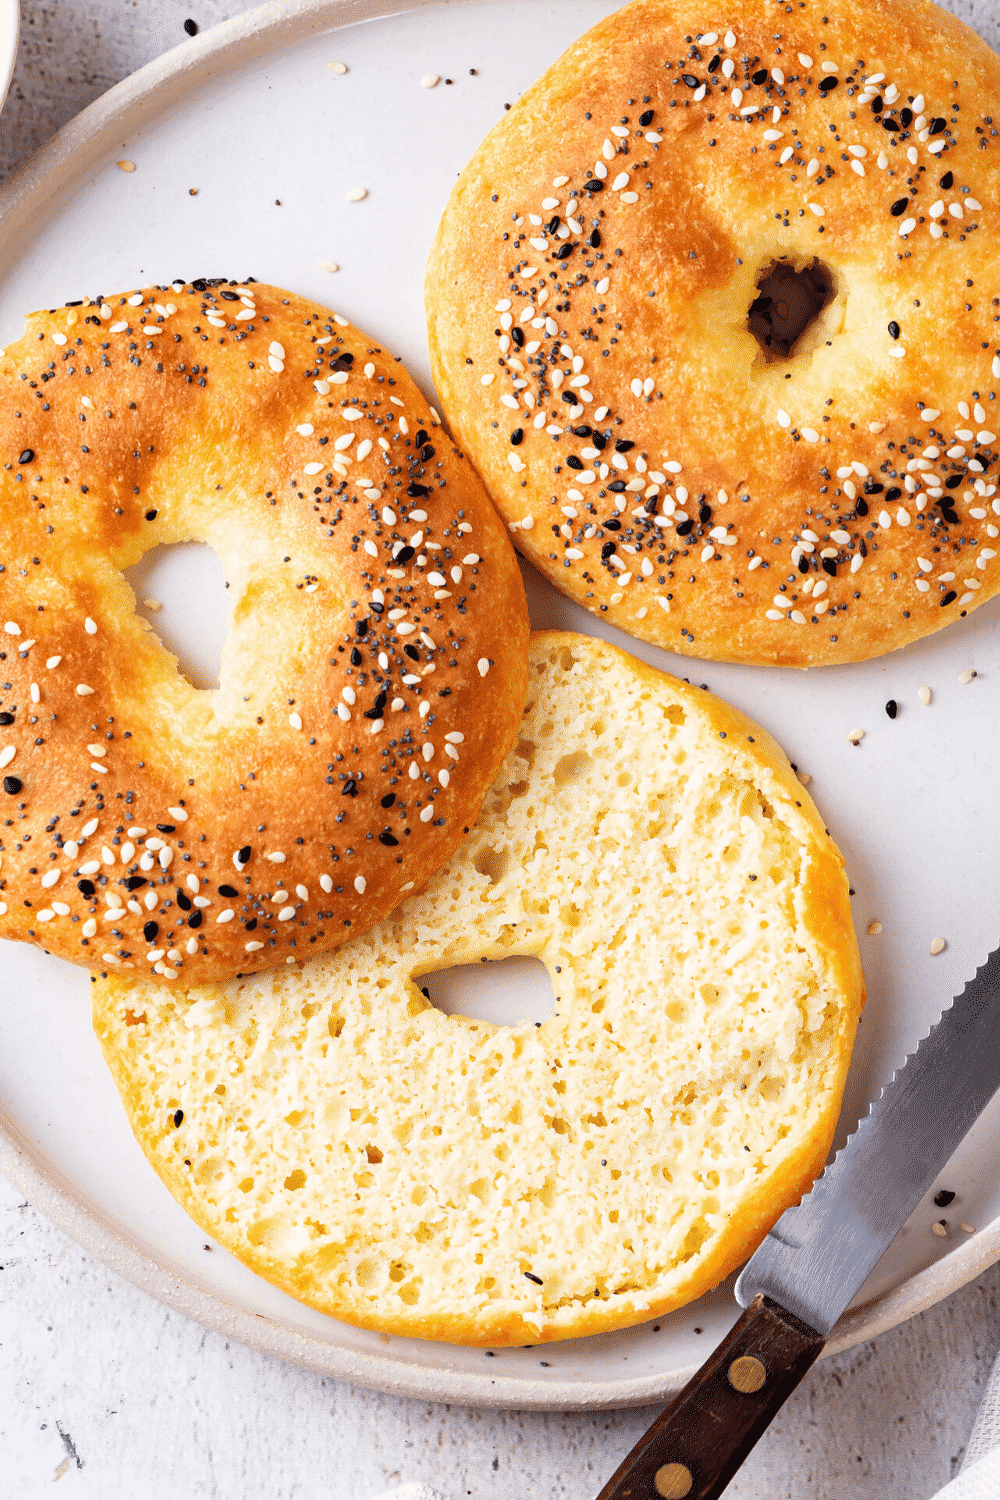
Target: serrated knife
(819,1253)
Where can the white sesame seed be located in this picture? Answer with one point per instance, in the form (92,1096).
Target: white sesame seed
(938,945)
(817,208)
(359,884)
(430,80)
(356,194)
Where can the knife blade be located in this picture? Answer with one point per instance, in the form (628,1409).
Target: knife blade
(818,1255)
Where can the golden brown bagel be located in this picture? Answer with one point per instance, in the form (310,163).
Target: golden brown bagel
(375,667)
(823,503)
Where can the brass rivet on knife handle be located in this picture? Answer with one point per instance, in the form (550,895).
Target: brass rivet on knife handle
(746,1375)
(673,1481)
(695,1446)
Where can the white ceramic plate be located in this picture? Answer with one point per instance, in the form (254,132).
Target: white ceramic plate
(251,116)
(9,21)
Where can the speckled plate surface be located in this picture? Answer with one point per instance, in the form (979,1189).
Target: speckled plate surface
(246,145)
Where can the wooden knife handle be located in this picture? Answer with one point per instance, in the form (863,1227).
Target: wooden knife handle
(694,1448)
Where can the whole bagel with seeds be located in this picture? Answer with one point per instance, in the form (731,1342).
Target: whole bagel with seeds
(437,1176)
(714,311)
(375,667)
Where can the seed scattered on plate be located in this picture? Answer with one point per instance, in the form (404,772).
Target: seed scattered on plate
(803,777)
(356,194)
(153,604)
(127,166)
(430,81)
(328,265)
(966,1228)
(874,928)
(924,694)
(337,67)
(967,675)
(856,736)
(892,708)
(938,945)
(940,1230)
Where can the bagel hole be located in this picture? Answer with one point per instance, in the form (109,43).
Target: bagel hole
(180,592)
(501,992)
(786,306)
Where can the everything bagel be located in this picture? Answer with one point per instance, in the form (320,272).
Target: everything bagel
(375,667)
(714,310)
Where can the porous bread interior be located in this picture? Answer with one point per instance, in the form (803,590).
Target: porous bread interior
(404,1169)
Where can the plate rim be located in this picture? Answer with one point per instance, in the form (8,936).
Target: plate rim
(27,191)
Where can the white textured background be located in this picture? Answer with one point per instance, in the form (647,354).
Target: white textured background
(111,1395)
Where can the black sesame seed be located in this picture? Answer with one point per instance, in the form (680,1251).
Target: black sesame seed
(420,438)
(892,493)
(704,513)
(243,854)
(405,553)
(178,1117)
(149,931)
(388,837)
(12,785)
(595,239)
(135,882)
(877,105)
(517,337)
(617,486)
(829,566)
(861,506)
(388,800)
(906,116)
(249,926)
(828,84)
(760,76)
(646,118)
(573,462)
(949,598)
(530,1276)
(624,445)
(888,124)
(151,515)
(183,900)
(607,549)
(87,887)
(713,66)
(426,453)
(892,708)
(948,180)
(356,657)
(6,718)
(228,890)
(166,828)
(937,125)
(803,565)
(685,527)
(872,487)
(943,1198)
(569,397)
(953,481)
(350,788)
(196,919)
(582,431)
(894,329)
(563,253)
(27,456)
(899,207)
(517,437)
